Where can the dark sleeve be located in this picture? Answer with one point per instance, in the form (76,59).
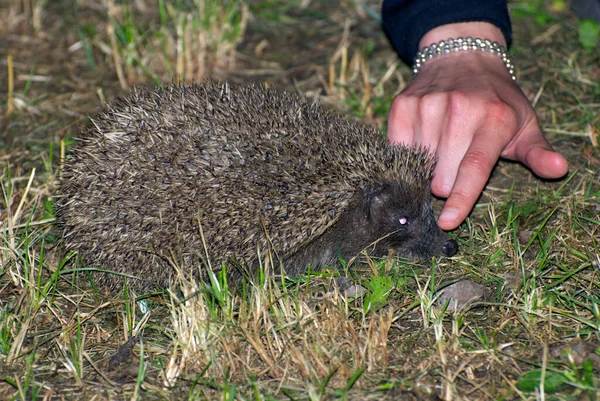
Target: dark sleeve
(406,21)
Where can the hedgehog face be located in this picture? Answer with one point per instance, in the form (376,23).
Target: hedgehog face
(397,218)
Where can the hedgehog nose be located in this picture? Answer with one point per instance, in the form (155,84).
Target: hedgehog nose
(450,247)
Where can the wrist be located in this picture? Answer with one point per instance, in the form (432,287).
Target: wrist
(452,46)
(463,69)
(483,30)
(461,38)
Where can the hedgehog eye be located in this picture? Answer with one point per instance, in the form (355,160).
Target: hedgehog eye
(404,221)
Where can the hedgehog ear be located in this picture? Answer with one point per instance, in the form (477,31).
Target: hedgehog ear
(374,199)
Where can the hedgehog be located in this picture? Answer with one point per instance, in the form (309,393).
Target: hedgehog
(221,174)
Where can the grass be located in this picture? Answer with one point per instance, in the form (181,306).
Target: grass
(532,244)
(181,41)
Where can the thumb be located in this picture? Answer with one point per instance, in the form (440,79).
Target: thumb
(535,152)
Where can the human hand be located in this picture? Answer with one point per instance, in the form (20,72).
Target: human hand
(467,109)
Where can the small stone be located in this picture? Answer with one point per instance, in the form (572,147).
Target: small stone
(348,288)
(524,236)
(461,294)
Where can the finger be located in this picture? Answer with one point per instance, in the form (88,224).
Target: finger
(458,133)
(473,174)
(533,150)
(547,163)
(432,119)
(401,123)
(449,156)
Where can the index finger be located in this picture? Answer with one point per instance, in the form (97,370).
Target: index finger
(473,173)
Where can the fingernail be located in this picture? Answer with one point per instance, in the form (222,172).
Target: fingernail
(449,214)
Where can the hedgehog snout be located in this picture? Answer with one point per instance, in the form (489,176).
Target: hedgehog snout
(450,247)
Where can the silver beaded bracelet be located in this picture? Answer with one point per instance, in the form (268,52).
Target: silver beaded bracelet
(456,45)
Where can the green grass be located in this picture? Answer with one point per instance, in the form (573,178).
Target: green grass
(172,41)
